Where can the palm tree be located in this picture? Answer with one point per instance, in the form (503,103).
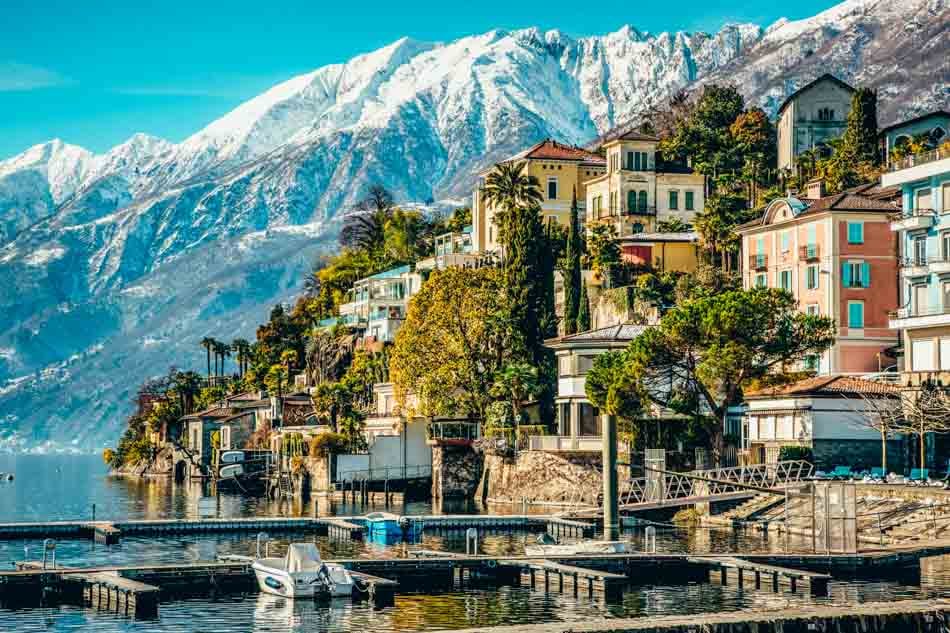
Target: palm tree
(187,384)
(242,349)
(209,343)
(222,350)
(364,228)
(508,187)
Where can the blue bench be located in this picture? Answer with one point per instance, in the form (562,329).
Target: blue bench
(919,475)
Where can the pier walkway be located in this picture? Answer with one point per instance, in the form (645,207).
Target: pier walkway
(348,527)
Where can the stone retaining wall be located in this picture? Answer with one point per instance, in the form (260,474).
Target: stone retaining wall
(456,471)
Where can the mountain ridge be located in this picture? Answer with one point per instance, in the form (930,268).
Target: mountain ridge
(115,265)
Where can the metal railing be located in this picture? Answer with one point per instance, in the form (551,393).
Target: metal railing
(916,213)
(808,252)
(710,483)
(453,431)
(758,261)
(564,443)
(910,312)
(921,159)
(384,473)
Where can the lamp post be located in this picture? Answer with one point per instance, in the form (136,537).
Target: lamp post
(611,510)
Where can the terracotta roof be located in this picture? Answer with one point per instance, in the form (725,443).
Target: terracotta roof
(213,412)
(549,149)
(807,86)
(863,198)
(827,386)
(849,202)
(876,191)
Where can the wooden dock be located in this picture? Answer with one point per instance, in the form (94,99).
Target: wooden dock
(348,527)
(580,581)
(729,571)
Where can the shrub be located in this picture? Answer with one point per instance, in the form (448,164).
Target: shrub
(328,443)
(795,453)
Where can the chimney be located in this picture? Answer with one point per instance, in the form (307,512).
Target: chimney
(815,189)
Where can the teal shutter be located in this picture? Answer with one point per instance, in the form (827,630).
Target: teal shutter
(846,275)
(636,163)
(866,275)
(856,315)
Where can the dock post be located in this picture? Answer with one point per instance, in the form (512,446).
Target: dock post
(611,526)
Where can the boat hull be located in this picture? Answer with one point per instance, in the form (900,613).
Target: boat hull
(303,584)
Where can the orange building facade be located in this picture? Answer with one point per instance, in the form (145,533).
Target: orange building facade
(838,258)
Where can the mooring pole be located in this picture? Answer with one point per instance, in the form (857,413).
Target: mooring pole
(609,435)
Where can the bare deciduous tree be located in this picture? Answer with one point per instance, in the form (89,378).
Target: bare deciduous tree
(926,409)
(881,413)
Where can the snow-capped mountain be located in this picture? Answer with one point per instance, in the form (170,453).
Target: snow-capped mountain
(114,266)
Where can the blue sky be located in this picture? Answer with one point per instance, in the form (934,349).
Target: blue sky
(94,73)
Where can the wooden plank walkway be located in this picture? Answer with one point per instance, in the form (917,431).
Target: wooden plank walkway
(580,581)
(736,571)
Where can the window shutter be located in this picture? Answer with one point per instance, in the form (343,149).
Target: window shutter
(866,275)
(846,275)
(637,161)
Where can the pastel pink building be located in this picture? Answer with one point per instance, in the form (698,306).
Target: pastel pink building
(838,257)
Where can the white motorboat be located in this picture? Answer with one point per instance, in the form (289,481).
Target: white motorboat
(302,574)
(547,546)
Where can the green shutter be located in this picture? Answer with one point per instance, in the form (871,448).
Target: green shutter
(866,275)
(846,275)
(636,157)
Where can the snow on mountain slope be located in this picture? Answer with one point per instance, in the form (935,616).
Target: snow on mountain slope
(114,266)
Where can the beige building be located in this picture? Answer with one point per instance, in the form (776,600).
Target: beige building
(811,116)
(559,169)
(634,196)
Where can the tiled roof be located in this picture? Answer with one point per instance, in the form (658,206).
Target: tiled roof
(550,149)
(633,135)
(827,386)
(613,333)
(680,236)
(922,117)
(850,202)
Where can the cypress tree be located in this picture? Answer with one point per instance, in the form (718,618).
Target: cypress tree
(583,313)
(860,136)
(572,277)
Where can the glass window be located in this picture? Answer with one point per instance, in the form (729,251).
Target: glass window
(945,353)
(637,227)
(921,296)
(812,309)
(631,201)
(589,422)
(946,295)
(945,245)
(630,160)
(642,201)
(856,314)
(584,363)
(552,188)
(689,200)
(644,161)
(761,281)
(923,200)
(920,251)
(636,161)
(855,233)
(564,418)
(811,277)
(785,280)
(674,200)
(564,365)
(856,275)
(922,355)
(786,241)
(811,362)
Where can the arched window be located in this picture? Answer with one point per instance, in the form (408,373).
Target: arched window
(638,228)
(642,202)
(631,201)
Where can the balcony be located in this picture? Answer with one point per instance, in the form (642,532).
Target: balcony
(914,317)
(914,220)
(917,167)
(758,261)
(809,253)
(452,433)
(644,211)
(923,266)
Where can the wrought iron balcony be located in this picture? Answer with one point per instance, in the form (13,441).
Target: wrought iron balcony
(758,261)
(809,252)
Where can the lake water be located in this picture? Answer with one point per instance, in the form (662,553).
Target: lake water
(63,488)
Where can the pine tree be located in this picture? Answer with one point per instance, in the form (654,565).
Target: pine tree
(860,136)
(572,277)
(583,313)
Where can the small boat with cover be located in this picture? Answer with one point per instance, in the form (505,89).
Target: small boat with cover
(302,574)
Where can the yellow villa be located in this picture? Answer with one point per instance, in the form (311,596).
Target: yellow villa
(559,169)
(633,196)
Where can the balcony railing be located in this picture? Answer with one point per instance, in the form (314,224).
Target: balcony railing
(911,312)
(651,210)
(453,432)
(921,159)
(809,252)
(758,261)
(917,213)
